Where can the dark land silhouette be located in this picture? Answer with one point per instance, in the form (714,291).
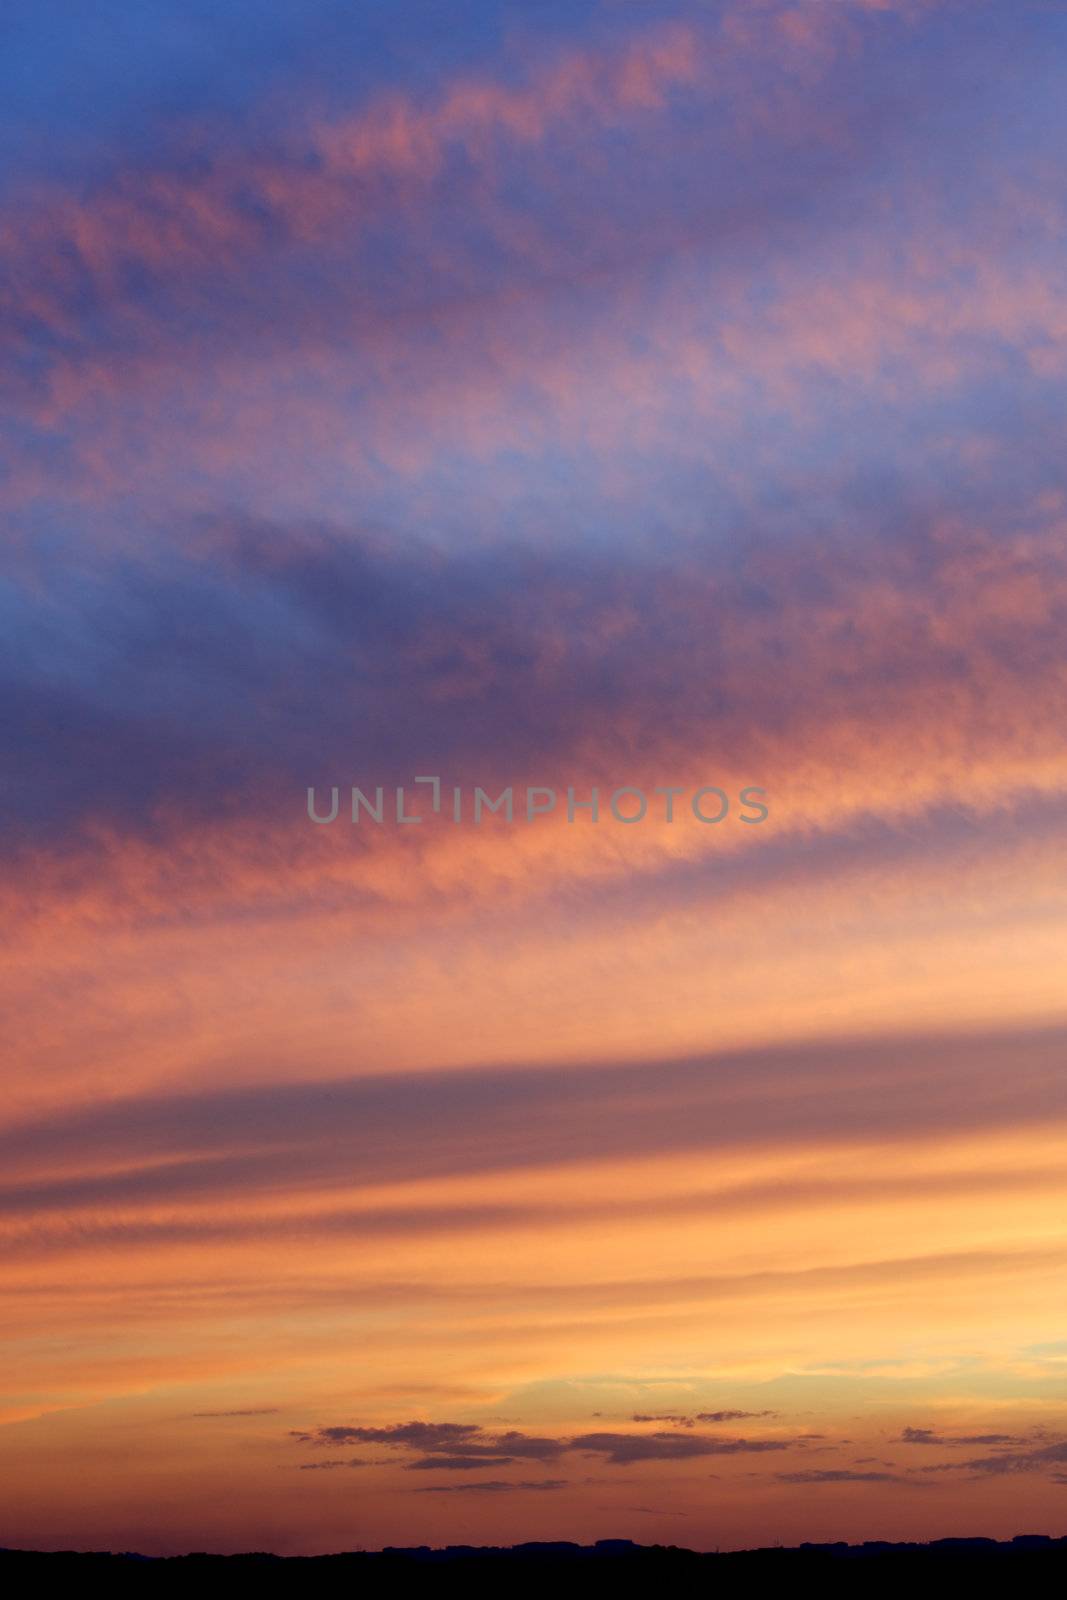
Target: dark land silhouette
(1026,1559)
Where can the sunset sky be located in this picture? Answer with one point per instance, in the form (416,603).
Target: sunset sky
(536,396)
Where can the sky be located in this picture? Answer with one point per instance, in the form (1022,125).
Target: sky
(541,399)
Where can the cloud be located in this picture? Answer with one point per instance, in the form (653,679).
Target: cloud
(462,1447)
(656,1511)
(162,1148)
(409,1435)
(1009,1463)
(180,227)
(847,1475)
(493,1486)
(202,244)
(683,1421)
(251,1411)
(218,678)
(444,1446)
(927,1436)
(623,1449)
(667,1416)
(735,1416)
